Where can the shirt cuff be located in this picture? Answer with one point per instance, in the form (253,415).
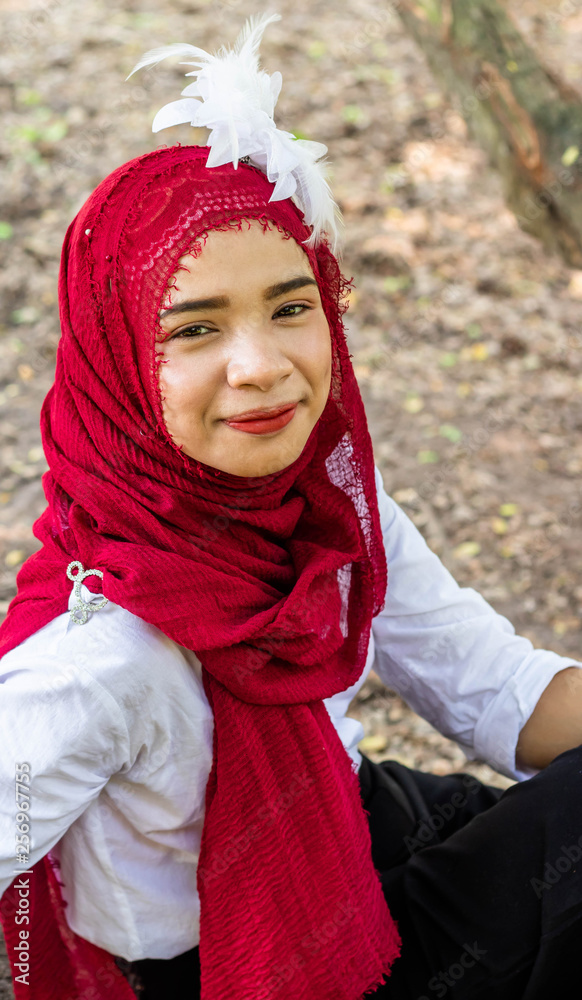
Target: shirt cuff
(498,729)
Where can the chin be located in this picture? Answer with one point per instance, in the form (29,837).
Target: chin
(259,461)
(254,469)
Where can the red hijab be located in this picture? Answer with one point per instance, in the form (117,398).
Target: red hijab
(273,582)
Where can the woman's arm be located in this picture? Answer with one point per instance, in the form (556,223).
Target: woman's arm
(459,663)
(555,724)
(68,731)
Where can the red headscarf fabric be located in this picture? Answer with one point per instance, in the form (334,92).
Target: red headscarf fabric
(273,582)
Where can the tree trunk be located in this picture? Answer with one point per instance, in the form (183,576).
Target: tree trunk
(528,120)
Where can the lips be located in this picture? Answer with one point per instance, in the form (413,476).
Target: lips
(263,421)
(264,414)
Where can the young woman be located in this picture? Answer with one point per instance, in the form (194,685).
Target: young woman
(190,811)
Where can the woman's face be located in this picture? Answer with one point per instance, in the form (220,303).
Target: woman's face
(246,352)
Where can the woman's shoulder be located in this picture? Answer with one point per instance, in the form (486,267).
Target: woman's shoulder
(113,682)
(114,648)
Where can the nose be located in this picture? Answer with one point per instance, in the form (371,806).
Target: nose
(256,359)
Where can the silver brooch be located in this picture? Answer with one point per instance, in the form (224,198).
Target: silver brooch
(81,610)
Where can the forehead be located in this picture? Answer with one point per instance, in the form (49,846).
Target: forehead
(252,253)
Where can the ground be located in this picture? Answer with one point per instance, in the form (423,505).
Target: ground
(464,332)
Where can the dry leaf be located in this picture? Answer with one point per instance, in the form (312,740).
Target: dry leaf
(14,558)
(466,550)
(575,286)
(373,744)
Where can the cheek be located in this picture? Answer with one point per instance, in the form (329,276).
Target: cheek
(319,357)
(184,387)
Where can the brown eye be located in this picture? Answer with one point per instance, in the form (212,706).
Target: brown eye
(196,330)
(297,307)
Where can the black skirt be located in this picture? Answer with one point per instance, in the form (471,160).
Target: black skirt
(486,887)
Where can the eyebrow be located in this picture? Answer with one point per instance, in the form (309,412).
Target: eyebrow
(222,301)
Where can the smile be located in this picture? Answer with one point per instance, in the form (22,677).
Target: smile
(274,420)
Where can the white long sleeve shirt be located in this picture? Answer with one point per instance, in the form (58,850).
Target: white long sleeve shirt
(113,719)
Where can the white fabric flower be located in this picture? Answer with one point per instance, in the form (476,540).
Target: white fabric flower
(236,100)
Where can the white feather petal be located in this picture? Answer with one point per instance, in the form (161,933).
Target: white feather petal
(192,90)
(249,39)
(275,84)
(285,187)
(156,55)
(221,148)
(314,149)
(176,113)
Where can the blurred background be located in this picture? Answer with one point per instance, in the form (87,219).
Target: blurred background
(464,329)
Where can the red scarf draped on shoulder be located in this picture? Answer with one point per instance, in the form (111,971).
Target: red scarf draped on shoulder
(273,582)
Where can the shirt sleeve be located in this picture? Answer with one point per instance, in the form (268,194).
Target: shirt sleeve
(71,732)
(450,655)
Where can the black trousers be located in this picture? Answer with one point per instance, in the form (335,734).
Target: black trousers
(486,887)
